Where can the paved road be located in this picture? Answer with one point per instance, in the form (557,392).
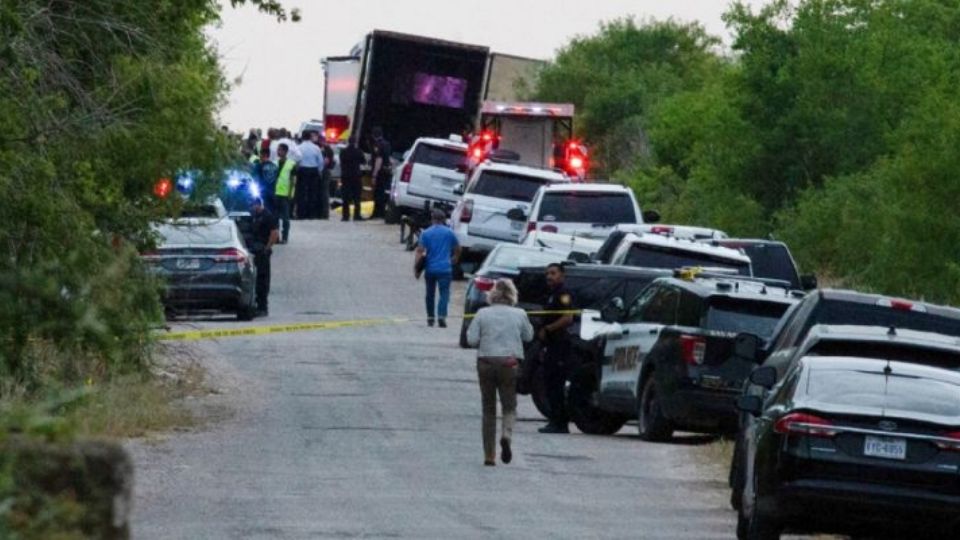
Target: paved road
(375,432)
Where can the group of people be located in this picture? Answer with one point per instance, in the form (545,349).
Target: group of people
(499,332)
(295,179)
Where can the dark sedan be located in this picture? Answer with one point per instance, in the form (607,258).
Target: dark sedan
(204,265)
(857,446)
(505,260)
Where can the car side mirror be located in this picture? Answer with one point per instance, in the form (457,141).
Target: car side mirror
(764,376)
(750,404)
(579,257)
(458,190)
(747,347)
(516,214)
(651,216)
(613,311)
(808,282)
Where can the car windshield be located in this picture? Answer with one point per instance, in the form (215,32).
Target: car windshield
(874,389)
(901,352)
(587,207)
(503,185)
(736,315)
(661,257)
(195,234)
(511,257)
(770,261)
(444,157)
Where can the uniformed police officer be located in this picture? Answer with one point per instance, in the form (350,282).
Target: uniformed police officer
(557,357)
(265,232)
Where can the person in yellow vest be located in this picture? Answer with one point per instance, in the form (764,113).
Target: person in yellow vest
(286,186)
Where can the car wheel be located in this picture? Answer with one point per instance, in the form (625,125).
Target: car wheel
(760,524)
(652,424)
(589,418)
(463,333)
(736,476)
(538,392)
(247,313)
(391,215)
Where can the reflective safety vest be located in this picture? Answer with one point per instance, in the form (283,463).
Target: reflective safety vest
(284,180)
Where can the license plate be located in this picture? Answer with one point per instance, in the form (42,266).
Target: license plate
(188,264)
(885,447)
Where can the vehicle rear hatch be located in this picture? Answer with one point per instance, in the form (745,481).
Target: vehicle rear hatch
(570,212)
(433,171)
(715,366)
(494,194)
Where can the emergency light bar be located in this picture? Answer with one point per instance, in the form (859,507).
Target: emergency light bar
(527,109)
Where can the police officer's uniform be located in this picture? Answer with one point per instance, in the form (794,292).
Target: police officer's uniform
(557,357)
(263,225)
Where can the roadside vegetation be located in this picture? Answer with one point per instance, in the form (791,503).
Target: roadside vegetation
(100,99)
(832,124)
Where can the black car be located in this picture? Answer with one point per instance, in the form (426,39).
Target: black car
(667,360)
(770,259)
(504,260)
(830,307)
(592,287)
(205,265)
(858,446)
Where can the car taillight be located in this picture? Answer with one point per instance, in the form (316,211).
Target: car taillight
(901,305)
(406,173)
(531,226)
(693,349)
(804,424)
(483,284)
(953,445)
(661,229)
(231,255)
(466,212)
(549,228)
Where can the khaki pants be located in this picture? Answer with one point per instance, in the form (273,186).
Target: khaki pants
(497,376)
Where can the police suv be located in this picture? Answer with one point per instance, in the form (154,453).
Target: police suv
(666,358)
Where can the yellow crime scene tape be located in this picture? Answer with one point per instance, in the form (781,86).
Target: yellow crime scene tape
(269,330)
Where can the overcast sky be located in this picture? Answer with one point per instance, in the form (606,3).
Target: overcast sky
(282,83)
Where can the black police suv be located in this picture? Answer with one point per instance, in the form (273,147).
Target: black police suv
(667,360)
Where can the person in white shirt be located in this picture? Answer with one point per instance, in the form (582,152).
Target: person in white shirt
(313,201)
(293,151)
(499,332)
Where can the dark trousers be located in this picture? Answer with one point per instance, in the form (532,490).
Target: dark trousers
(269,201)
(323,195)
(381,190)
(262,261)
(435,281)
(283,214)
(350,192)
(308,181)
(556,367)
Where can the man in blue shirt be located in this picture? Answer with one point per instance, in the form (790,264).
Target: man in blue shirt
(439,251)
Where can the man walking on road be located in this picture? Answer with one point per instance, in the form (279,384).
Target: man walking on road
(382,171)
(351,183)
(265,235)
(556,358)
(308,179)
(499,331)
(286,187)
(439,251)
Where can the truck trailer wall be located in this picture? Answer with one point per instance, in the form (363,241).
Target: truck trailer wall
(511,78)
(341,84)
(419,87)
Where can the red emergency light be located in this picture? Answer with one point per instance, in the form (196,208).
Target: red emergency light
(481,145)
(163,187)
(575,159)
(331,134)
